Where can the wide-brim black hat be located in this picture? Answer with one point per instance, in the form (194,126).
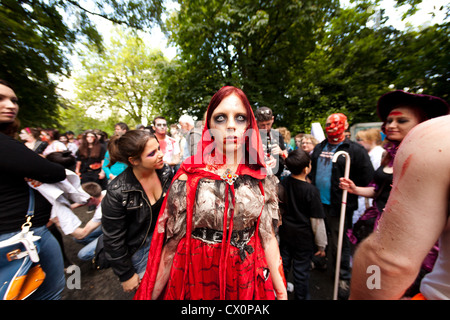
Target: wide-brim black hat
(432,106)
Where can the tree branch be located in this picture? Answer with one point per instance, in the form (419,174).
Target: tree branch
(104,16)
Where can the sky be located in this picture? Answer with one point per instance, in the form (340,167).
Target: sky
(421,18)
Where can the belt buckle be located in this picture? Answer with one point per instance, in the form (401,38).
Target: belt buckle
(217,236)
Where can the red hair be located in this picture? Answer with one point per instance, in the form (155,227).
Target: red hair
(222,94)
(254,156)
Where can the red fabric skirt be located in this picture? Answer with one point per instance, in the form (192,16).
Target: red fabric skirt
(245,280)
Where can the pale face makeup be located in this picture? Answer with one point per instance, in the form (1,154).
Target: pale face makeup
(228,124)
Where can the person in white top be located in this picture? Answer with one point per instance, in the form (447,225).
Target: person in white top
(370,139)
(51,136)
(71,146)
(416,216)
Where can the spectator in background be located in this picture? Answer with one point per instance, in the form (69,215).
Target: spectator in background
(308,143)
(370,139)
(90,233)
(169,146)
(186,123)
(298,140)
(90,157)
(71,136)
(120,128)
(102,137)
(193,135)
(51,136)
(31,139)
(287,138)
(113,170)
(273,142)
(72,147)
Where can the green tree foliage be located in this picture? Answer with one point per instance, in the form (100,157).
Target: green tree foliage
(251,44)
(304,59)
(32,36)
(38,37)
(122,81)
(421,60)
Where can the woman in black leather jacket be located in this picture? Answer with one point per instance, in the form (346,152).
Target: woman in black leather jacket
(131,205)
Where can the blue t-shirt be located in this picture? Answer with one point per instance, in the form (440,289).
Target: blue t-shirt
(323,172)
(116,169)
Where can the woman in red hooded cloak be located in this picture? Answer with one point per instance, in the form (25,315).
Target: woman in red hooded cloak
(215,238)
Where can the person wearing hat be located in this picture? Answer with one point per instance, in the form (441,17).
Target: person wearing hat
(273,143)
(416,215)
(400,112)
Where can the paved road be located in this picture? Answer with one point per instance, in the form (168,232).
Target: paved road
(104,285)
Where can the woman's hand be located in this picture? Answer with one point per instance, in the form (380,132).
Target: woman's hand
(33,182)
(347,184)
(131,284)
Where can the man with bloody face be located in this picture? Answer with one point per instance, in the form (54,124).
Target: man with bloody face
(325,176)
(335,127)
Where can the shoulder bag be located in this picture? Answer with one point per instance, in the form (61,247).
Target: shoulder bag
(20,273)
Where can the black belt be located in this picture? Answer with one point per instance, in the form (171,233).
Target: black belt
(239,238)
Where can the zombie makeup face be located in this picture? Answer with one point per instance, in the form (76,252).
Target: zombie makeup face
(399,122)
(335,127)
(228,123)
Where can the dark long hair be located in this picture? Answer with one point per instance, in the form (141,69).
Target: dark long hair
(11,128)
(129,145)
(84,151)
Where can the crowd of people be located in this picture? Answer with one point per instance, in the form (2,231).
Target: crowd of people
(228,206)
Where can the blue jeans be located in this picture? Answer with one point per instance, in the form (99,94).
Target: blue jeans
(52,263)
(140,257)
(301,263)
(88,251)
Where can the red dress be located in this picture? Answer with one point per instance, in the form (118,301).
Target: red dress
(209,265)
(211,252)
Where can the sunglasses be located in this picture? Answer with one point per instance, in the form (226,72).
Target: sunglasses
(161,125)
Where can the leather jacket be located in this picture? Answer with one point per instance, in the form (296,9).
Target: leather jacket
(127,219)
